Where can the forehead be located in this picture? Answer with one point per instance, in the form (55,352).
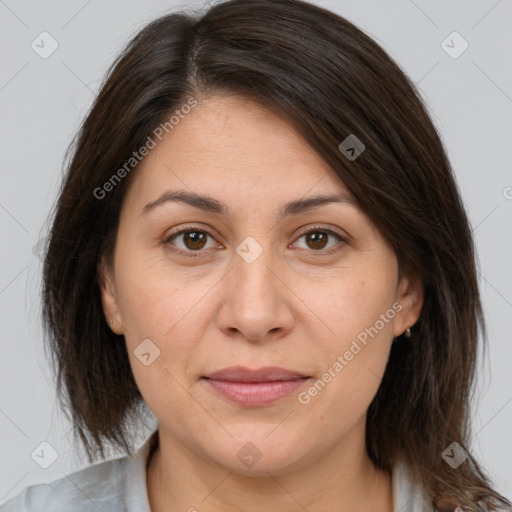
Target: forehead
(230,145)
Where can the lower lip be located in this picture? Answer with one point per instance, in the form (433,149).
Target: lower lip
(254,394)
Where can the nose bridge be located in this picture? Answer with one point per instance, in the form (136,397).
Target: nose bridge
(254,301)
(252,262)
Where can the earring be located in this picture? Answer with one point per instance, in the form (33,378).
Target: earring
(408,333)
(111,322)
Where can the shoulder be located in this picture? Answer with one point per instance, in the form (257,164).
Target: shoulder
(80,491)
(408,492)
(112,486)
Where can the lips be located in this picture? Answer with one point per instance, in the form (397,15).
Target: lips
(253,388)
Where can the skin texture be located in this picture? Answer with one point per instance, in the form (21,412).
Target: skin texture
(290,307)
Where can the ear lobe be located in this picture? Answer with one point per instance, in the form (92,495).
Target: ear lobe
(108,297)
(410,295)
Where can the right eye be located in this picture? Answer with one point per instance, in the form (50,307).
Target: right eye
(192,240)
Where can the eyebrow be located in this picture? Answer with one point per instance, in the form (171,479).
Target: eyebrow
(211,205)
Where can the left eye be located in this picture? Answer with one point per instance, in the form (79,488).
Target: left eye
(317,239)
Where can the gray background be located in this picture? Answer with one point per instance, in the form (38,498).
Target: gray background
(43,101)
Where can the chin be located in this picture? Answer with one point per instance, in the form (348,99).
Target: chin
(259,455)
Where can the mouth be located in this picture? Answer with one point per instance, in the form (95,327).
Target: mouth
(255,388)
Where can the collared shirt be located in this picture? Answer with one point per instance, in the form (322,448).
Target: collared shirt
(120,486)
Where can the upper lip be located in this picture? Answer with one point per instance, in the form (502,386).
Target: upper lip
(265,374)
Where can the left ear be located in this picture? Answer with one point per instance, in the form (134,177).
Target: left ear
(410,296)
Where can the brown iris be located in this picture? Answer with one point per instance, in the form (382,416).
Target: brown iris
(194,239)
(317,239)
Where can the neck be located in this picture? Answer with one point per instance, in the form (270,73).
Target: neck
(342,480)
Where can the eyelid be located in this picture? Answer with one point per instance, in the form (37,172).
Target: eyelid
(320,227)
(322,252)
(183,229)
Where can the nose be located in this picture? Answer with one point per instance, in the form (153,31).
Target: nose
(257,303)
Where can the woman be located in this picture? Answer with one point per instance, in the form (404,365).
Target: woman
(260,239)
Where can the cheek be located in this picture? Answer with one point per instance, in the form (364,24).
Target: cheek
(171,310)
(158,318)
(350,301)
(357,316)
(153,298)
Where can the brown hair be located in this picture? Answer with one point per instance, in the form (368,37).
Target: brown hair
(330,80)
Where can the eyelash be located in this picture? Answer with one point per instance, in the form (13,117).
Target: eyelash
(195,254)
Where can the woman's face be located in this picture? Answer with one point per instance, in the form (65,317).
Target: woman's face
(309,289)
